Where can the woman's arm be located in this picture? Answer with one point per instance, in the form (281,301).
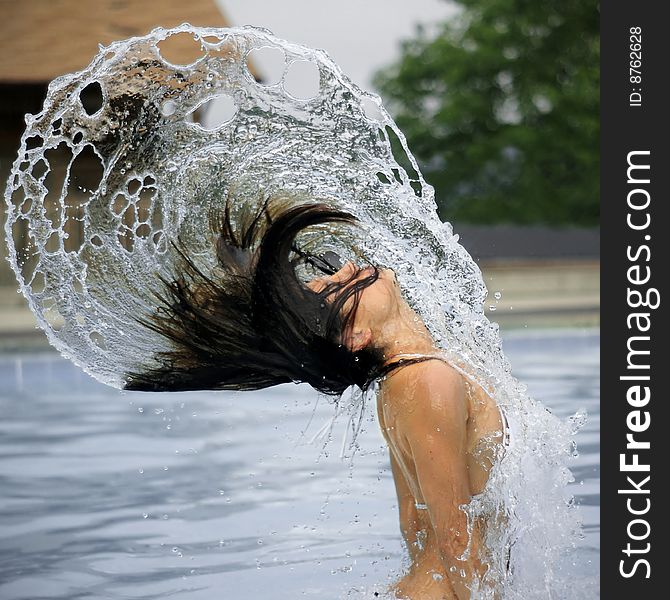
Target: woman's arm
(435,430)
(409,525)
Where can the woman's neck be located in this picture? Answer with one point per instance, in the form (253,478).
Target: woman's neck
(406,334)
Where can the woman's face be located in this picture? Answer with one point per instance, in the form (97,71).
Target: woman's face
(378,301)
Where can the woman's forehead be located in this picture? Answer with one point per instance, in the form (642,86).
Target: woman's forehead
(347,273)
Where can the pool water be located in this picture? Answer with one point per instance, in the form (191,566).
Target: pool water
(105,494)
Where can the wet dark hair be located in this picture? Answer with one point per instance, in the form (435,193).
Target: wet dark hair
(253,323)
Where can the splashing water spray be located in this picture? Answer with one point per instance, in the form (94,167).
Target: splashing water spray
(118,165)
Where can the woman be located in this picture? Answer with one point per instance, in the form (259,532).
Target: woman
(440,430)
(255,323)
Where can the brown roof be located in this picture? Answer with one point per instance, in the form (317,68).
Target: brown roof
(42,39)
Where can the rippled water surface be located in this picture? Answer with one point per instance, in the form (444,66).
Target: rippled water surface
(105,494)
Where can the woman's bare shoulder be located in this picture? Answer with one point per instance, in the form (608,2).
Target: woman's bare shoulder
(432,369)
(430,382)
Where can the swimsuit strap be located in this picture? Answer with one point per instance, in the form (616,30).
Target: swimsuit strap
(417,355)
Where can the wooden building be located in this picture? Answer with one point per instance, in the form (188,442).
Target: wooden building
(42,39)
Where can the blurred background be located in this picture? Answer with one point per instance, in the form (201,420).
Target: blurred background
(498,101)
(105,494)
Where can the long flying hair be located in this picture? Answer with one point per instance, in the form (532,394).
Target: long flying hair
(253,323)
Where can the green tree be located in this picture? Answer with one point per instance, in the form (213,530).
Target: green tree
(500,108)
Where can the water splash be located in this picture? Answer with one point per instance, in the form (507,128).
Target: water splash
(120,162)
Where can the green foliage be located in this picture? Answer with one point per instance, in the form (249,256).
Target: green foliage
(500,108)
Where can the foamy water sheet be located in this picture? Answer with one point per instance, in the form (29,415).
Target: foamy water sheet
(88,257)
